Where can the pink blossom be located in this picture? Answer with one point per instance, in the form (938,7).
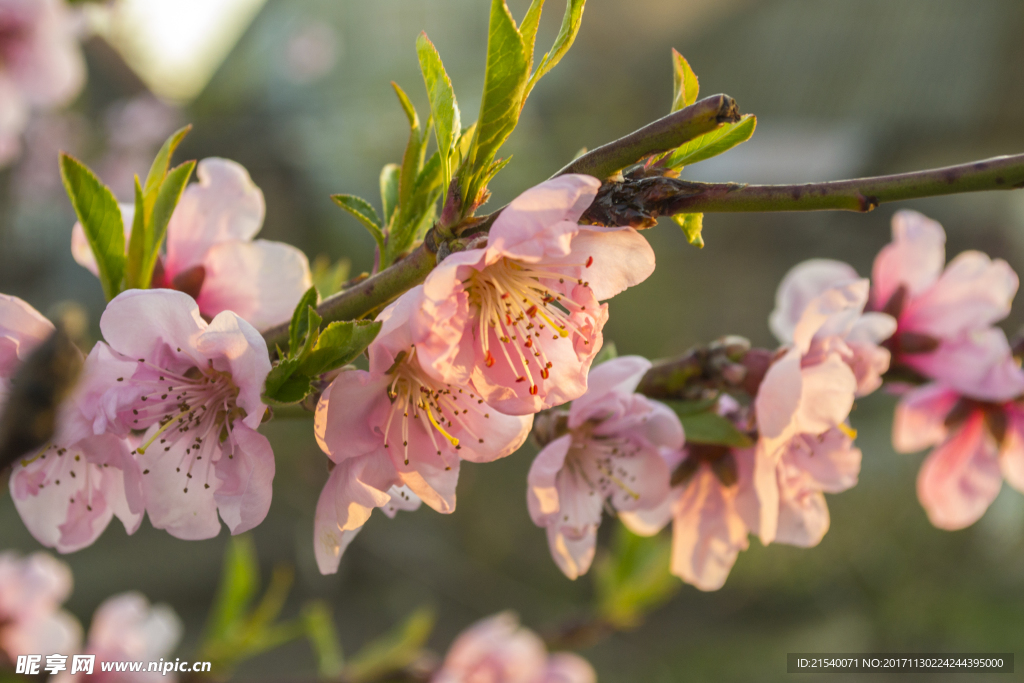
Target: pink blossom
(611,456)
(534,318)
(810,388)
(127,628)
(978,444)
(22,328)
(855,335)
(195,388)
(499,650)
(212,256)
(41,65)
(401,424)
(31,592)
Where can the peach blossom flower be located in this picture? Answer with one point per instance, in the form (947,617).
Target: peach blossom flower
(212,256)
(31,592)
(611,456)
(533,295)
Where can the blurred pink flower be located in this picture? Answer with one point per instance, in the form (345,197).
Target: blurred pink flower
(41,65)
(499,650)
(31,592)
(195,388)
(127,628)
(401,424)
(611,456)
(978,445)
(212,256)
(534,318)
(22,328)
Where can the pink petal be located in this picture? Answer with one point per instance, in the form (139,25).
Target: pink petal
(1011,454)
(183,505)
(619,258)
(650,521)
(261,281)
(830,461)
(127,627)
(225,205)
(232,342)
(803,518)
(432,479)
(868,363)
(152,324)
(615,379)
(45,61)
(343,427)
(402,498)
(757,492)
(826,396)
(438,328)
(484,434)
(920,419)
(22,328)
(566,667)
(805,282)
(914,258)
(572,548)
(494,650)
(834,313)
(972,293)
(960,478)
(246,473)
(541,221)
(778,397)
(707,533)
(978,364)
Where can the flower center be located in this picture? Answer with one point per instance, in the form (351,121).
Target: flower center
(438,408)
(197,407)
(598,461)
(521,304)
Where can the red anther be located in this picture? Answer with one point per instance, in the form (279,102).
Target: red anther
(545,373)
(548,365)
(508,320)
(529,342)
(489,360)
(533,390)
(532,310)
(590,261)
(520,379)
(505,295)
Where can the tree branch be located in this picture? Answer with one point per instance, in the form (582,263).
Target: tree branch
(639,202)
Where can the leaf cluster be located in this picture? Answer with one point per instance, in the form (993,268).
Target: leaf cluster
(313,352)
(130,266)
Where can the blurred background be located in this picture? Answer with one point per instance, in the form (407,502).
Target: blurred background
(297,91)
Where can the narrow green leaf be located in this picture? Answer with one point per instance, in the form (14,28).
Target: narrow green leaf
(390,178)
(323,637)
(505,78)
(712,144)
(692,407)
(167,198)
(710,427)
(692,225)
(685,82)
(158,170)
(443,107)
(528,29)
(364,213)
(415,149)
(100,216)
(300,320)
(329,278)
(394,650)
(239,582)
(407,106)
(313,321)
(563,41)
(340,343)
(136,243)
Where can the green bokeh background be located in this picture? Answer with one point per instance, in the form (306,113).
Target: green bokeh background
(841,88)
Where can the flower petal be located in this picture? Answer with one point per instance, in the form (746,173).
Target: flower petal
(246,474)
(914,258)
(343,425)
(619,258)
(236,347)
(801,285)
(617,379)
(920,417)
(978,364)
(152,324)
(261,281)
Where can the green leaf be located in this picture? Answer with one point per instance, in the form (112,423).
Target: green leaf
(691,407)
(167,198)
(329,278)
(300,320)
(634,578)
(364,212)
(100,216)
(528,29)
(563,41)
(340,343)
(313,321)
(285,384)
(239,582)
(505,78)
(158,170)
(390,178)
(686,85)
(394,650)
(136,243)
(443,107)
(692,225)
(710,427)
(712,144)
(323,637)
